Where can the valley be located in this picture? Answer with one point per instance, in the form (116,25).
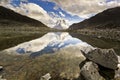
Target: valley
(29,49)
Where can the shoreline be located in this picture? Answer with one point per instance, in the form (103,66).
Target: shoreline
(100,33)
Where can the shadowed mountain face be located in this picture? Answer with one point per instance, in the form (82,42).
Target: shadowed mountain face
(8,16)
(109,18)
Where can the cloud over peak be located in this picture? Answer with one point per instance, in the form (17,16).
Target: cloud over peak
(84,8)
(50,11)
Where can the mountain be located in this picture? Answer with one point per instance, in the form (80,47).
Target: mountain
(10,17)
(61,24)
(109,18)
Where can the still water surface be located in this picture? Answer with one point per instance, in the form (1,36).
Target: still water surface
(55,41)
(54,53)
(48,44)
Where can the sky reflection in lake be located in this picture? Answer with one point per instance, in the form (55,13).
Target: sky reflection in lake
(49,43)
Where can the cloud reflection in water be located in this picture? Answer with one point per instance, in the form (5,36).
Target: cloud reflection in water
(48,44)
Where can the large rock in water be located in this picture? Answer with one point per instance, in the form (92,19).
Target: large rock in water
(90,71)
(104,57)
(1,68)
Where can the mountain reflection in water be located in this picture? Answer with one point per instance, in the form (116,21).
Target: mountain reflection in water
(49,43)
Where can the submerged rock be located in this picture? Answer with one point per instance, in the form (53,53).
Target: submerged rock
(104,57)
(2,78)
(90,71)
(46,77)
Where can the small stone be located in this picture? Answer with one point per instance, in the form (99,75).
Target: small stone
(46,77)
(1,68)
(2,78)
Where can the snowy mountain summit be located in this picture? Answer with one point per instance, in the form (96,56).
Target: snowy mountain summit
(61,24)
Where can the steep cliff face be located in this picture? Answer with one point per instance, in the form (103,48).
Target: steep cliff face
(109,18)
(8,16)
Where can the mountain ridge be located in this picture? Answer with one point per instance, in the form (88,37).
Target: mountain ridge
(109,18)
(8,15)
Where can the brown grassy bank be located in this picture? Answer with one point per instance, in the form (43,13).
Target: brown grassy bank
(105,33)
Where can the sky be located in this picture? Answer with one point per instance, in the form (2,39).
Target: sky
(50,11)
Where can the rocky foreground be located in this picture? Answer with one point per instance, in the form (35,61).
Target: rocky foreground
(97,64)
(60,65)
(100,64)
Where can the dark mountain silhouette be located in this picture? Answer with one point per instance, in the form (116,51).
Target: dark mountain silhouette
(9,17)
(109,18)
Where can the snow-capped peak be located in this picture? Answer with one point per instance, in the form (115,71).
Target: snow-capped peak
(61,24)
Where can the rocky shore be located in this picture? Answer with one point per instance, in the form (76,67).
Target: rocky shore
(100,64)
(104,24)
(105,33)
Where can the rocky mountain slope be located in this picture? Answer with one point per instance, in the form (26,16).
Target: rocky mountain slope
(109,18)
(9,17)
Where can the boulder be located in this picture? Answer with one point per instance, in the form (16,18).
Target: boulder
(1,68)
(104,57)
(90,71)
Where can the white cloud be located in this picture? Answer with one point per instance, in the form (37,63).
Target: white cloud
(84,8)
(7,2)
(24,0)
(53,15)
(56,7)
(37,12)
(4,2)
(34,11)
(31,10)
(62,15)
